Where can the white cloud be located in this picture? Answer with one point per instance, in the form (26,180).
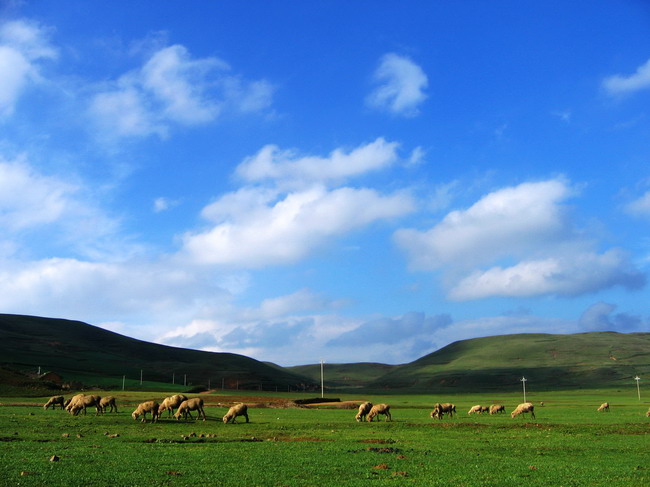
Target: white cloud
(564,276)
(271,163)
(401,85)
(23,46)
(621,84)
(174,88)
(640,206)
(526,224)
(287,229)
(508,221)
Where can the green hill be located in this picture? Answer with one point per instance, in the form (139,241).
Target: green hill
(344,376)
(79,352)
(583,360)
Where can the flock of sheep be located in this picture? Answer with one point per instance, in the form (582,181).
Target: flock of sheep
(180,402)
(184,406)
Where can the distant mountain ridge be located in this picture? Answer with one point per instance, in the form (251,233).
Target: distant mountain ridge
(82,352)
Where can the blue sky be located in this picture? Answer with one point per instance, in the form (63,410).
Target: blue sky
(345,181)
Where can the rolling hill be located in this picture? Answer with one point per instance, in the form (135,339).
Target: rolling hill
(79,352)
(583,360)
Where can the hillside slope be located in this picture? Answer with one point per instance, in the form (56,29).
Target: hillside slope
(81,352)
(583,360)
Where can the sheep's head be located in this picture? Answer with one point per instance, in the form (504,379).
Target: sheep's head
(135,415)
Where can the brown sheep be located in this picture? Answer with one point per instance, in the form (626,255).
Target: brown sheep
(485,409)
(233,412)
(53,401)
(108,402)
(497,408)
(475,409)
(526,407)
(83,402)
(379,409)
(603,407)
(364,409)
(172,402)
(194,404)
(72,401)
(144,408)
(439,410)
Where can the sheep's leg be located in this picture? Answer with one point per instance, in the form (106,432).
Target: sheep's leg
(246,416)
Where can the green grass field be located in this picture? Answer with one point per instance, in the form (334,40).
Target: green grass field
(568,444)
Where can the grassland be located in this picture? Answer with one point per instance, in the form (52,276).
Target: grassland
(568,444)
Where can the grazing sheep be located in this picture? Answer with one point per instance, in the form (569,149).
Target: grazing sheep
(475,409)
(194,404)
(439,410)
(108,402)
(144,408)
(379,409)
(72,401)
(603,407)
(81,403)
(485,409)
(53,401)
(364,409)
(172,402)
(526,407)
(233,412)
(497,408)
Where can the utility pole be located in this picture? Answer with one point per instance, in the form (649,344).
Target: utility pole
(523,383)
(123,380)
(638,390)
(322,384)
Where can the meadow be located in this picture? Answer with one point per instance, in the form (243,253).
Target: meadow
(567,444)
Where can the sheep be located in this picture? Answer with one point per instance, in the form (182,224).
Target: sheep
(497,408)
(194,404)
(485,409)
(172,402)
(72,401)
(475,409)
(439,410)
(364,409)
(53,401)
(647,415)
(379,409)
(144,408)
(526,407)
(233,412)
(83,402)
(108,402)
(603,407)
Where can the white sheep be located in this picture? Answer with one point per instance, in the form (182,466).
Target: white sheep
(108,402)
(144,408)
(170,403)
(53,401)
(379,409)
(439,410)
(603,407)
(81,402)
(526,407)
(497,408)
(194,404)
(478,409)
(364,409)
(233,412)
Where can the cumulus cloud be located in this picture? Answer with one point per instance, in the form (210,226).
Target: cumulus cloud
(529,224)
(401,86)
(284,230)
(172,88)
(271,163)
(564,276)
(505,222)
(23,49)
(640,206)
(621,85)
